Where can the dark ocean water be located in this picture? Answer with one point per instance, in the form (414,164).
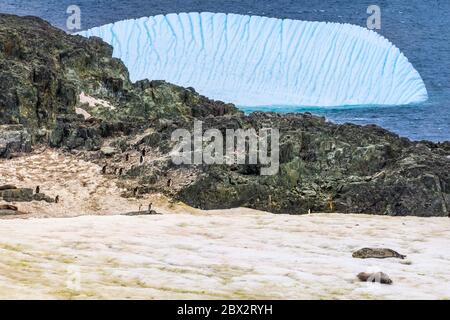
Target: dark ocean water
(421,29)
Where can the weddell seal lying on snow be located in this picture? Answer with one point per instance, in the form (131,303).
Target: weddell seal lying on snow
(377,253)
(379,277)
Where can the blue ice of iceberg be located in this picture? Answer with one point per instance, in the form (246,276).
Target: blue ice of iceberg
(260,61)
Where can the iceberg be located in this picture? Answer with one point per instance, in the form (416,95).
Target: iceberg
(261,61)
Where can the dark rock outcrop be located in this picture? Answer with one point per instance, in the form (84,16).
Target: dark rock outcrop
(17,195)
(14,139)
(10,193)
(325,167)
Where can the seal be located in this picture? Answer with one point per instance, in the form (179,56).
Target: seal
(377,253)
(7,187)
(379,277)
(8,207)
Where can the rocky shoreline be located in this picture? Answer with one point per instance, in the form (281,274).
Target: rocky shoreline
(67,92)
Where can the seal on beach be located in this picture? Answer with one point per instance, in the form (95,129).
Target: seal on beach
(377,253)
(10,210)
(7,187)
(8,207)
(379,277)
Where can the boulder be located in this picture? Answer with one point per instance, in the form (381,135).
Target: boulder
(17,195)
(108,151)
(14,139)
(43,197)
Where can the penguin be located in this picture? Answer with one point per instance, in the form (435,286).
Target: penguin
(120,171)
(150,207)
(56,199)
(104,169)
(143,152)
(331,205)
(141,160)
(135,191)
(169,182)
(127,157)
(38,189)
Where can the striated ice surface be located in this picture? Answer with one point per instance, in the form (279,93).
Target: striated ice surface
(260,61)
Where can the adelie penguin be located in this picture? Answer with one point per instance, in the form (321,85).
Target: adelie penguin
(38,189)
(141,160)
(143,152)
(127,157)
(56,199)
(104,169)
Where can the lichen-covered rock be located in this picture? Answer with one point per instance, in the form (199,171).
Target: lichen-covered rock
(14,139)
(325,167)
(17,195)
(43,197)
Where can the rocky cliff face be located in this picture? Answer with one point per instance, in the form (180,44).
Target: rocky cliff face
(323,166)
(44,71)
(326,167)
